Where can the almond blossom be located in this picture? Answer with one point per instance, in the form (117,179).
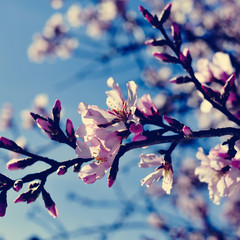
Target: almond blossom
(163,171)
(103,131)
(219,172)
(103,159)
(100,123)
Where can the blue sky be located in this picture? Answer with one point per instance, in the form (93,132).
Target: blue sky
(20,81)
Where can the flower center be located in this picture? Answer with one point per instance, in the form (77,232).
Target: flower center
(99,160)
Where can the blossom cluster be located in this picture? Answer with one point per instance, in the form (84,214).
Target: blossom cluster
(104,136)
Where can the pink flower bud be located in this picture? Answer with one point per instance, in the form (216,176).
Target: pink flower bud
(187,131)
(136,128)
(17,186)
(173,122)
(180,80)
(165,57)
(16,164)
(70,131)
(77,167)
(49,204)
(3,203)
(113,172)
(211,93)
(176,35)
(166,13)
(110,181)
(225,92)
(44,125)
(154,42)
(62,170)
(185,57)
(9,144)
(138,137)
(29,196)
(150,18)
(56,111)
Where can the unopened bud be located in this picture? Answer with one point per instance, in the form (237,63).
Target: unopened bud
(149,17)
(211,93)
(173,123)
(136,128)
(56,111)
(49,204)
(16,164)
(165,13)
(9,144)
(227,87)
(176,35)
(17,186)
(181,80)
(185,57)
(3,203)
(113,172)
(164,57)
(158,43)
(70,131)
(62,170)
(29,196)
(187,131)
(77,167)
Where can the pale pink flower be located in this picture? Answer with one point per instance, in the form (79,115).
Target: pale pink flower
(103,159)
(217,170)
(220,68)
(147,106)
(100,123)
(163,171)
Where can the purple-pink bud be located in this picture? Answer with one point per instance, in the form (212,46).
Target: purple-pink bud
(16,164)
(173,122)
(17,186)
(44,125)
(176,35)
(228,85)
(150,18)
(9,144)
(62,170)
(180,80)
(155,42)
(110,182)
(3,203)
(165,57)
(70,130)
(136,128)
(169,120)
(77,167)
(49,204)
(187,131)
(211,93)
(56,111)
(165,13)
(185,57)
(28,196)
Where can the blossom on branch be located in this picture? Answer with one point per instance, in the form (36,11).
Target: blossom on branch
(164,171)
(220,172)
